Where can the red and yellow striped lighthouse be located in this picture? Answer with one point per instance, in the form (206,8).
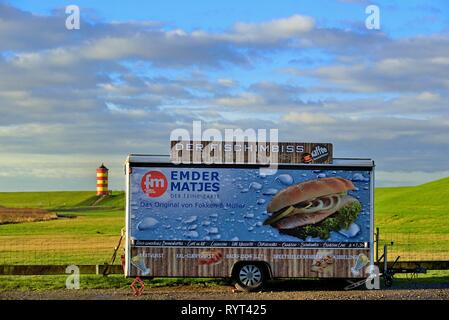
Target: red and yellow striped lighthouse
(102,180)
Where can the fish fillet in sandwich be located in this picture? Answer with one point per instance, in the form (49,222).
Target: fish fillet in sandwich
(314,208)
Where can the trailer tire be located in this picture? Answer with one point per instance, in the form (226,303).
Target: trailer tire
(249,276)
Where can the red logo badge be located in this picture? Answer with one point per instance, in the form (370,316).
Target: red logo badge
(154,184)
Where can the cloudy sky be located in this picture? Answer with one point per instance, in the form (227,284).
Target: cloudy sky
(71,99)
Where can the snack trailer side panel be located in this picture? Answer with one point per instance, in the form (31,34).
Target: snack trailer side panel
(199,220)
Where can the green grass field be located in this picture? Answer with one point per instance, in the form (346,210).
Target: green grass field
(57,282)
(415,218)
(86,234)
(420,209)
(60,199)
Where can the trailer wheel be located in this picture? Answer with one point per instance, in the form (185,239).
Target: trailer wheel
(249,277)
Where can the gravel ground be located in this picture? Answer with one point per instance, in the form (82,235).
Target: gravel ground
(284,291)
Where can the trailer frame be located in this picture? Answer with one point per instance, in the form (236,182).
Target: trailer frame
(158,161)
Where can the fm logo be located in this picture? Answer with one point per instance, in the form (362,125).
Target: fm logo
(154,184)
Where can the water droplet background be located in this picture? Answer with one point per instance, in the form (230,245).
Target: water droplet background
(237,211)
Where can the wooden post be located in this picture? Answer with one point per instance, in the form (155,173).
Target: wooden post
(377,244)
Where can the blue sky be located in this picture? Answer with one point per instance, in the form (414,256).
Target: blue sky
(135,71)
(399,18)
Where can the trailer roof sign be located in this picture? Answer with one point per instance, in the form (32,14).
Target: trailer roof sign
(250,152)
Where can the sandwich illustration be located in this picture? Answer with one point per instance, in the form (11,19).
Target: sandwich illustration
(210,257)
(323,262)
(314,208)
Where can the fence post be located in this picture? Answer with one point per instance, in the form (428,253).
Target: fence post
(377,244)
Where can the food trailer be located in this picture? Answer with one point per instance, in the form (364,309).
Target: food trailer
(233,221)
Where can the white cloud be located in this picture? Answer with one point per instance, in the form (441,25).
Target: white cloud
(308,118)
(271,31)
(428,97)
(227,82)
(387,75)
(242,100)
(111,48)
(28,130)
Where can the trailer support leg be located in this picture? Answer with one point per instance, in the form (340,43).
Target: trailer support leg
(377,244)
(388,278)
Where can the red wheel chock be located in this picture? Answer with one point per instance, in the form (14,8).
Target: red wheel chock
(137,286)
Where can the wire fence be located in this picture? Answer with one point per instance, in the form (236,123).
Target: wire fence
(415,246)
(78,235)
(58,251)
(28,249)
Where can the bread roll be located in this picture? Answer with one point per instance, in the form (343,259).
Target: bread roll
(303,219)
(308,190)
